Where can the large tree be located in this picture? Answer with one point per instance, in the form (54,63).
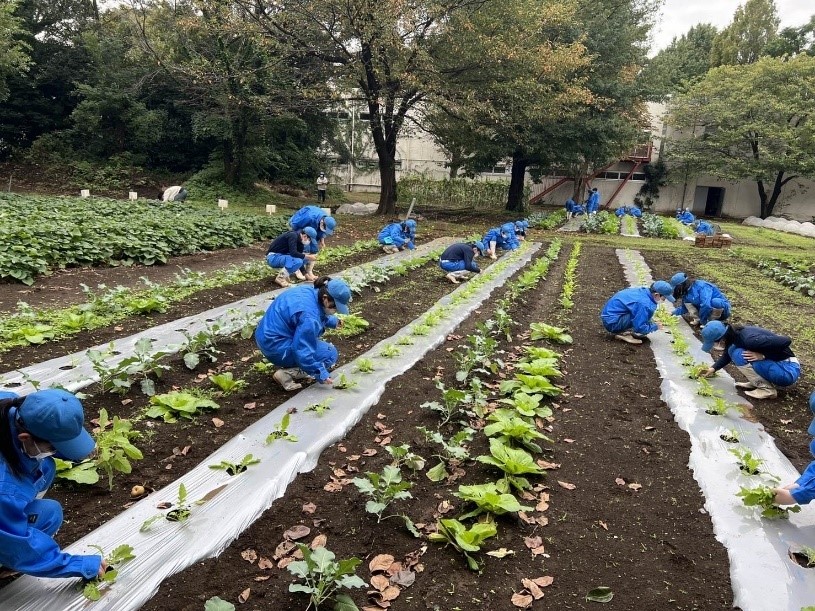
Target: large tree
(750,122)
(686,59)
(13,51)
(754,26)
(793,41)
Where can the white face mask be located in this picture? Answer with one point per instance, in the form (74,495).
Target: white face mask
(39,453)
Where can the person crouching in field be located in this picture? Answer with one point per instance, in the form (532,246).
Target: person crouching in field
(458,260)
(289,333)
(802,491)
(627,315)
(286,252)
(397,236)
(762,357)
(324,224)
(698,301)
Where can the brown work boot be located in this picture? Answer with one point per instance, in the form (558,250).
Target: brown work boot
(763,392)
(282,377)
(627,338)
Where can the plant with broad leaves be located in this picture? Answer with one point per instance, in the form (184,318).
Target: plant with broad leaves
(92,589)
(454,451)
(33,334)
(501,322)
(748,462)
(405,340)
(696,370)
(764,498)
(236,468)
(706,389)
(465,540)
(172,405)
(514,462)
(527,405)
(352,325)
(203,343)
(530,385)
(540,367)
(263,366)
(390,351)
(344,382)
(281,431)
(140,365)
(489,499)
(718,407)
(382,489)
(453,400)
(216,603)
(538,352)
(540,330)
(321,407)
(403,456)
(507,426)
(364,365)
(227,383)
(420,330)
(323,576)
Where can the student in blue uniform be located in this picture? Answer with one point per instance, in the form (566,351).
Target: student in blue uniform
(520,230)
(570,207)
(286,252)
(412,226)
(763,357)
(289,332)
(698,301)
(324,224)
(703,227)
(593,201)
(802,491)
(458,260)
(32,430)
(685,217)
(627,315)
(498,237)
(396,236)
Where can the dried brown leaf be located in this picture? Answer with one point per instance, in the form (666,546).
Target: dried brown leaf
(249,555)
(309,508)
(244,596)
(533,588)
(544,581)
(380,582)
(390,593)
(522,601)
(298,531)
(265,563)
(217,422)
(532,542)
(319,541)
(404,578)
(566,485)
(382,562)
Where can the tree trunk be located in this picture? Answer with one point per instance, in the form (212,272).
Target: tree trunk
(515,197)
(387,194)
(762,197)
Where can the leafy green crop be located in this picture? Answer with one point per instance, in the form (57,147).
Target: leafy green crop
(281,431)
(92,589)
(540,330)
(382,489)
(236,468)
(324,575)
(489,499)
(514,462)
(464,540)
(172,405)
(227,383)
(764,498)
(509,427)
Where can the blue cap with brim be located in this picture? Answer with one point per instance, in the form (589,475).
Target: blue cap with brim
(480,246)
(811,429)
(663,288)
(330,222)
(712,332)
(341,294)
(310,232)
(678,279)
(56,416)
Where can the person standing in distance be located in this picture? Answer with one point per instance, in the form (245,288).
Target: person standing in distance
(322,187)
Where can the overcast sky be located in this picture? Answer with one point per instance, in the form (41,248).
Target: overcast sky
(679,15)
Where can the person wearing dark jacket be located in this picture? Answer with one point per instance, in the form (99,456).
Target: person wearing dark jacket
(32,430)
(287,252)
(458,260)
(763,357)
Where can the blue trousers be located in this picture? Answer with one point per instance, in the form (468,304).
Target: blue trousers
(284,356)
(778,373)
(452,266)
(44,515)
(618,325)
(290,264)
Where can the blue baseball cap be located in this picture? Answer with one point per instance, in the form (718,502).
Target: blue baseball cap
(712,332)
(508,228)
(663,288)
(330,222)
(811,429)
(57,417)
(480,246)
(411,224)
(310,232)
(341,294)
(678,278)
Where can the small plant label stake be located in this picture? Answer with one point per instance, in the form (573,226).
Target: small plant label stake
(223,204)
(327,211)
(271,208)
(132,196)
(85,193)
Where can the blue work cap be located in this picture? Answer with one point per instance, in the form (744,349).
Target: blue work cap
(678,278)
(411,224)
(341,294)
(712,332)
(310,232)
(508,228)
(330,222)
(663,288)
(56,416)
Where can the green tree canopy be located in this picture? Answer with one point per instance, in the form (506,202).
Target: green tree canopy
(751,122)
(754,26)
(685,60)
(13,51)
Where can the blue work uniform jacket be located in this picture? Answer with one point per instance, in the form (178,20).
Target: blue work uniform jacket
(700,295)
(308,216)
(805,493)
(686,218)
(756,339)
(593,203)
(461,252)
(294,322)
(395,235)
(288,243)
(22,547)
(569,205)
(638,303)
(704,227)
(494,235)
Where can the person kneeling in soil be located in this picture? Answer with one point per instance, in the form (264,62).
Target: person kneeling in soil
(802,490)
(397,236)
(287,253)
(699,301)
(499,237)
(32,430)
(627,315)
(458,260)
(762,357)
(289,333)
(324,224)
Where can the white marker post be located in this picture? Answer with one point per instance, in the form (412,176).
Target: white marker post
(133,196)
(327,211)
(271,208)
(223,204)
(85,193)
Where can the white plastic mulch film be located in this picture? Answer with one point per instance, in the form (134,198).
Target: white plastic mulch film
(74,371)
(763,576)
(236,502)
(627,228)
(806,229)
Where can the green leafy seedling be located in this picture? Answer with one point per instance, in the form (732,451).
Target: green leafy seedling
(321,407)
(464,540)
(390,351)
(541,330)
(281,431)
(764,498)
(227,383)
(382,489)
(323,576)
(236,468)
(93,589)
(403,456)
(748,462)
(405,340)
(365,365)
(489,499)
(344,382)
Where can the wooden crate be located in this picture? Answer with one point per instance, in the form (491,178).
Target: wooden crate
(713,241)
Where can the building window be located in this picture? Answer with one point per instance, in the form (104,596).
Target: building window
(638,176)
(364,116)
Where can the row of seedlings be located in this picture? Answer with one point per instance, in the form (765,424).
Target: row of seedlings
(570,277)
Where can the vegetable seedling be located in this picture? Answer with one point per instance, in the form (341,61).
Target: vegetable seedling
(365,365)
(390,351)
(321,407)
(227,383)
(464,540)
(324,575)
(236,468)
(382,489)
(344,382)
(764,498)
(92,589)
(281,431)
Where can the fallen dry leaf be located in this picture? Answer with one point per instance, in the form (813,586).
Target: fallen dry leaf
(533,588)
(603,525)
(309,508)
(501,553)
(522,601)
(548,465)
(249,555)
(635,486)
(332,486)
(244,596)
(531,542)
(284,562)
(265,563)
(263,577)
(380,563)
(380,582)
(620,481)
(390,593)
(298,531)
(369,452)
(283,549)
(404,578)
(544,581)
(251,405)
(129,401)
(569,440)
(566,485)
(217,422)
(444,507)
(523,515)
(319,541)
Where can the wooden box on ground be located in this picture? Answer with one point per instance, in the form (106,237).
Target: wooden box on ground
(713,241)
